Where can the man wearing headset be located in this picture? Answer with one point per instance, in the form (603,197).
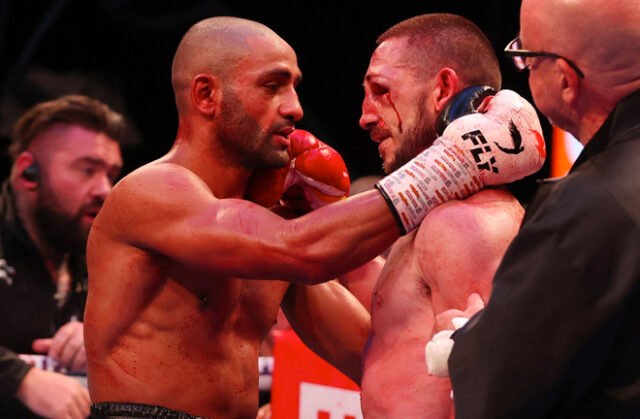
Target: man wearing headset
(66,156)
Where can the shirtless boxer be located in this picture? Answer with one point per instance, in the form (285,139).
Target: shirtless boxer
(175,312)
(418,66)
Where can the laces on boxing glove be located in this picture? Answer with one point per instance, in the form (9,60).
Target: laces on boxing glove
(316,175)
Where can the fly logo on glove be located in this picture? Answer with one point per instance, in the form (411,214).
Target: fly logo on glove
(517,141)
(482,147)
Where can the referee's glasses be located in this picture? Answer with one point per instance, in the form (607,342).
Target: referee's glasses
(519,56)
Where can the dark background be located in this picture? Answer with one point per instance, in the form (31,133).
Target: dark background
(120,51)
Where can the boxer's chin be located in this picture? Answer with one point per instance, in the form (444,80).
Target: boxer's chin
(390,164)
(265,158)
(387,153)
(275,159)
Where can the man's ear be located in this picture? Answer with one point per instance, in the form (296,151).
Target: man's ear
(446,85)
(569,82)
(206,94)
(27,170)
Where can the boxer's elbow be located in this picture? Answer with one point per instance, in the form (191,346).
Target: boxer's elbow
(308,270)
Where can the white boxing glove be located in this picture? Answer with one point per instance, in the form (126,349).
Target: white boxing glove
(438,349)
(499,146)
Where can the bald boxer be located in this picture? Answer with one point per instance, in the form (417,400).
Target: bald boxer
(559,337)
(417,69)
(186,277)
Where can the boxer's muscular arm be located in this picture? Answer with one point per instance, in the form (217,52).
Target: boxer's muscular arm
(168,210)
(330,321)
(461,243)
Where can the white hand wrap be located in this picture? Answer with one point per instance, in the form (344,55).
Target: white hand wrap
(438,349)
(502,145)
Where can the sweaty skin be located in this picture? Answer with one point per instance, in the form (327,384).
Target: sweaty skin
(168,325)
(185,276)
(454,253)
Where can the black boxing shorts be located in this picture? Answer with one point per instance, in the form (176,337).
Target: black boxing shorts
(112,410)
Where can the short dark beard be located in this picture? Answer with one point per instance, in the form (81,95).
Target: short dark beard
(245,142)
(416,138)
(59,230)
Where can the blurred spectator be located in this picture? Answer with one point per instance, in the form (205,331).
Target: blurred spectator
(65,158)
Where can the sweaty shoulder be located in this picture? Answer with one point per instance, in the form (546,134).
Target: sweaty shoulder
(158,178)
(488,212)
(155,191)
(461,243)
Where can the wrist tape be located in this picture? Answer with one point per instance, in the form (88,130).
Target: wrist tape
(438,174)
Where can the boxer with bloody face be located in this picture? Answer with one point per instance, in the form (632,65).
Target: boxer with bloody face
(445,267)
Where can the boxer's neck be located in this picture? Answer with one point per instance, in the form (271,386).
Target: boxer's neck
(224,178)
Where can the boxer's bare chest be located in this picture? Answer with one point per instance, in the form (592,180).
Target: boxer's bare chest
(248,306)
(395,382)
(401,287)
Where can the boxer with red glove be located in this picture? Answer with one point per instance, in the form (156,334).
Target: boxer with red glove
(315,176)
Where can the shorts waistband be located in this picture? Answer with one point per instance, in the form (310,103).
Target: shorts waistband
(115,410)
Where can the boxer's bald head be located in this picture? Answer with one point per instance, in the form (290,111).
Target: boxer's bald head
(602,38)
(215,46)
(235,82)
(441,40)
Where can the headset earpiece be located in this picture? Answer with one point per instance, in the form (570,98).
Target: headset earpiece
(31,172)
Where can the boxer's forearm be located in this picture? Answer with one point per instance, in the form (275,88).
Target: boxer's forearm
(341,237)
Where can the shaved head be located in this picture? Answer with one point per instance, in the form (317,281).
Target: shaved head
(234,82)
(601,36)
(214,46)
(441,40)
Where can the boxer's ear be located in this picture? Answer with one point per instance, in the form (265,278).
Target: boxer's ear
(206,94)
(446,85)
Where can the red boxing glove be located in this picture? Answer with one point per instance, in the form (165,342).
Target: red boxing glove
(316,176)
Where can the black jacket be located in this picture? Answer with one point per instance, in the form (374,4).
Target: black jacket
(29,308)
(560,336)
